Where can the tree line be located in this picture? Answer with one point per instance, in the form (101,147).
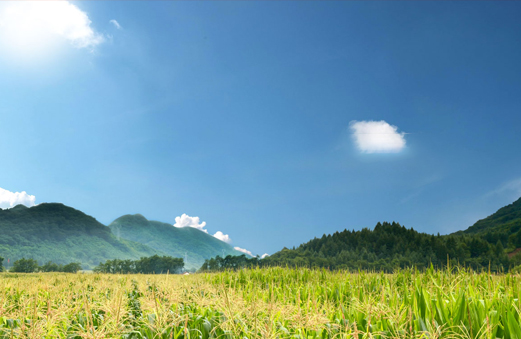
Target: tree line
(146,265)
(31,265)
(387,247)
(229,263)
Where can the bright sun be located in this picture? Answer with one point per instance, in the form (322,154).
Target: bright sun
(37,28)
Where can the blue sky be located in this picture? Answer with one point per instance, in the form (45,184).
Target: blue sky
(273,122)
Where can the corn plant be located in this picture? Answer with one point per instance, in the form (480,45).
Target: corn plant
(262,303)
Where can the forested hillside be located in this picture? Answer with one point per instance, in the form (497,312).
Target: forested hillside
(58,233)
(389,246)
(187,242)
(504,225)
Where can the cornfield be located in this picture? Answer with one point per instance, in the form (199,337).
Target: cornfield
(262,303)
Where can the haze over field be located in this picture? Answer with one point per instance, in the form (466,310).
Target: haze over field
(262,124)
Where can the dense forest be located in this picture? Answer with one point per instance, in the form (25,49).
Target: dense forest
(492,243)
(387,247)
(390,245)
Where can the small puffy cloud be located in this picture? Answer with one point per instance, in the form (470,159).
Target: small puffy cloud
(33,26)
(223,237)
(115,23)
(377,137)
(188,221)
(243,251)
(10,199)
(264,255)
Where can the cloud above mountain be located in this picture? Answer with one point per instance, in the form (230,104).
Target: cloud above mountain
(377,137)
(223,237)
(195,222)
(187,221)
(10,199)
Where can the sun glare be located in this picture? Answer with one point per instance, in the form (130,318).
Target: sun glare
(32,30)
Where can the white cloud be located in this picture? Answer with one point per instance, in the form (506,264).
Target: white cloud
(10,199)
(115,23)
(35,26)
(188,221)
(377,137)
(223,237)
(243,251)
(264,255)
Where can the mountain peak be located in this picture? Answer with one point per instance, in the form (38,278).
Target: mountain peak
(132,218)
(186,242)
(19,207)
(59,233)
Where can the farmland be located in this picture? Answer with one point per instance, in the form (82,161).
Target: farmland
(262,303)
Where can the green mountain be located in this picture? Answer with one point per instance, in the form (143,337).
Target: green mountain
(390,245)
(55,232)
(504,226)
(187,242)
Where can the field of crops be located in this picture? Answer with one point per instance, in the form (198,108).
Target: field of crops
(261,303)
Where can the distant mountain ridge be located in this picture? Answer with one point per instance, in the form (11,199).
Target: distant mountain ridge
(187,242)
(62,234)
(58,233)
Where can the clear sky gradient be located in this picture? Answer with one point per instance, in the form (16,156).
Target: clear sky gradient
(244,114)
